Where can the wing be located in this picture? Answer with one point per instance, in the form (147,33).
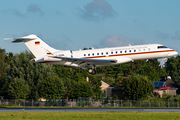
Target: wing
(84,63)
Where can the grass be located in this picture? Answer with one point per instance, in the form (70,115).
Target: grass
(89,115)
(85,107)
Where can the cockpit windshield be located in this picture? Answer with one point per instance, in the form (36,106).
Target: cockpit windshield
(159,47)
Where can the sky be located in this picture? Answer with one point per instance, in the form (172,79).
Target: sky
(75,24)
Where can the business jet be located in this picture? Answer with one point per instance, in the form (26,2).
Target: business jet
(95,57)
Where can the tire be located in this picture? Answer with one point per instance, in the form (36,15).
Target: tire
(94,72)
(90,70)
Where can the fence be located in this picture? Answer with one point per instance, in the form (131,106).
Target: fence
(87,103)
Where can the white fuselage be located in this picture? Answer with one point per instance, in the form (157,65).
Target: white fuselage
(95,57)
(121,54)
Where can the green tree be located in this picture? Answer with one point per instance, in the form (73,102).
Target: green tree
(71,72)
(115,97)
(22,67)
(3,66)
(3,82)
(150,72)
(82,89)
(51,87)
(109,80)
(8,56)
(136,66)
(177,81)
(156,64)
(151,69)
(85,48)
(96,87)
(137,87)
(69,88)
(18,89)
(172,66)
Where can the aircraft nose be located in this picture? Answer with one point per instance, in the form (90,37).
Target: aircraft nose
(175,53)
(171,53)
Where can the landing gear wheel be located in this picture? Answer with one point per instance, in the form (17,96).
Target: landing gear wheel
(92,71)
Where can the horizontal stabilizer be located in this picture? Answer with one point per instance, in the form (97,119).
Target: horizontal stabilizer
(22,39)
(25,39)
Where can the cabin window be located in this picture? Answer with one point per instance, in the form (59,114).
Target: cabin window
(111,52)
(144,49)
(159,47)
(88,54)
(129,50)
(120,51)
(125,51)
(97,53)
(149,49)
(93,54)
(116,52)
(106,53)
(101,53)
(139,49)
(134,50)
(84,54)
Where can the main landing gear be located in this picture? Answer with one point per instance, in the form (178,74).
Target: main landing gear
(92,70)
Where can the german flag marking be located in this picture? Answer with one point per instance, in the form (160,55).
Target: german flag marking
(49,53)
(37,43)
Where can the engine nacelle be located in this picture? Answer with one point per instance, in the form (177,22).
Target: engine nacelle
(66,53)
(37,60)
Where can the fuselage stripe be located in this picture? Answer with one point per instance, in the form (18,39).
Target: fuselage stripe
(129,54)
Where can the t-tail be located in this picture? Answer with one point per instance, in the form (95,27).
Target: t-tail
(38,47)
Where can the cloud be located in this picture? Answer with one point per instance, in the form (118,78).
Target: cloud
(97,10)
(14,11)
(33,8)
(161,35)
(115,41)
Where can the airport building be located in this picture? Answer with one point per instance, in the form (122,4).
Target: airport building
(166,85)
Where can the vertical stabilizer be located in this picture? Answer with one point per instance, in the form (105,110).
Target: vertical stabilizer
(38,47)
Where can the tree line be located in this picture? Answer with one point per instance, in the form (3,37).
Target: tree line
(21,79)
